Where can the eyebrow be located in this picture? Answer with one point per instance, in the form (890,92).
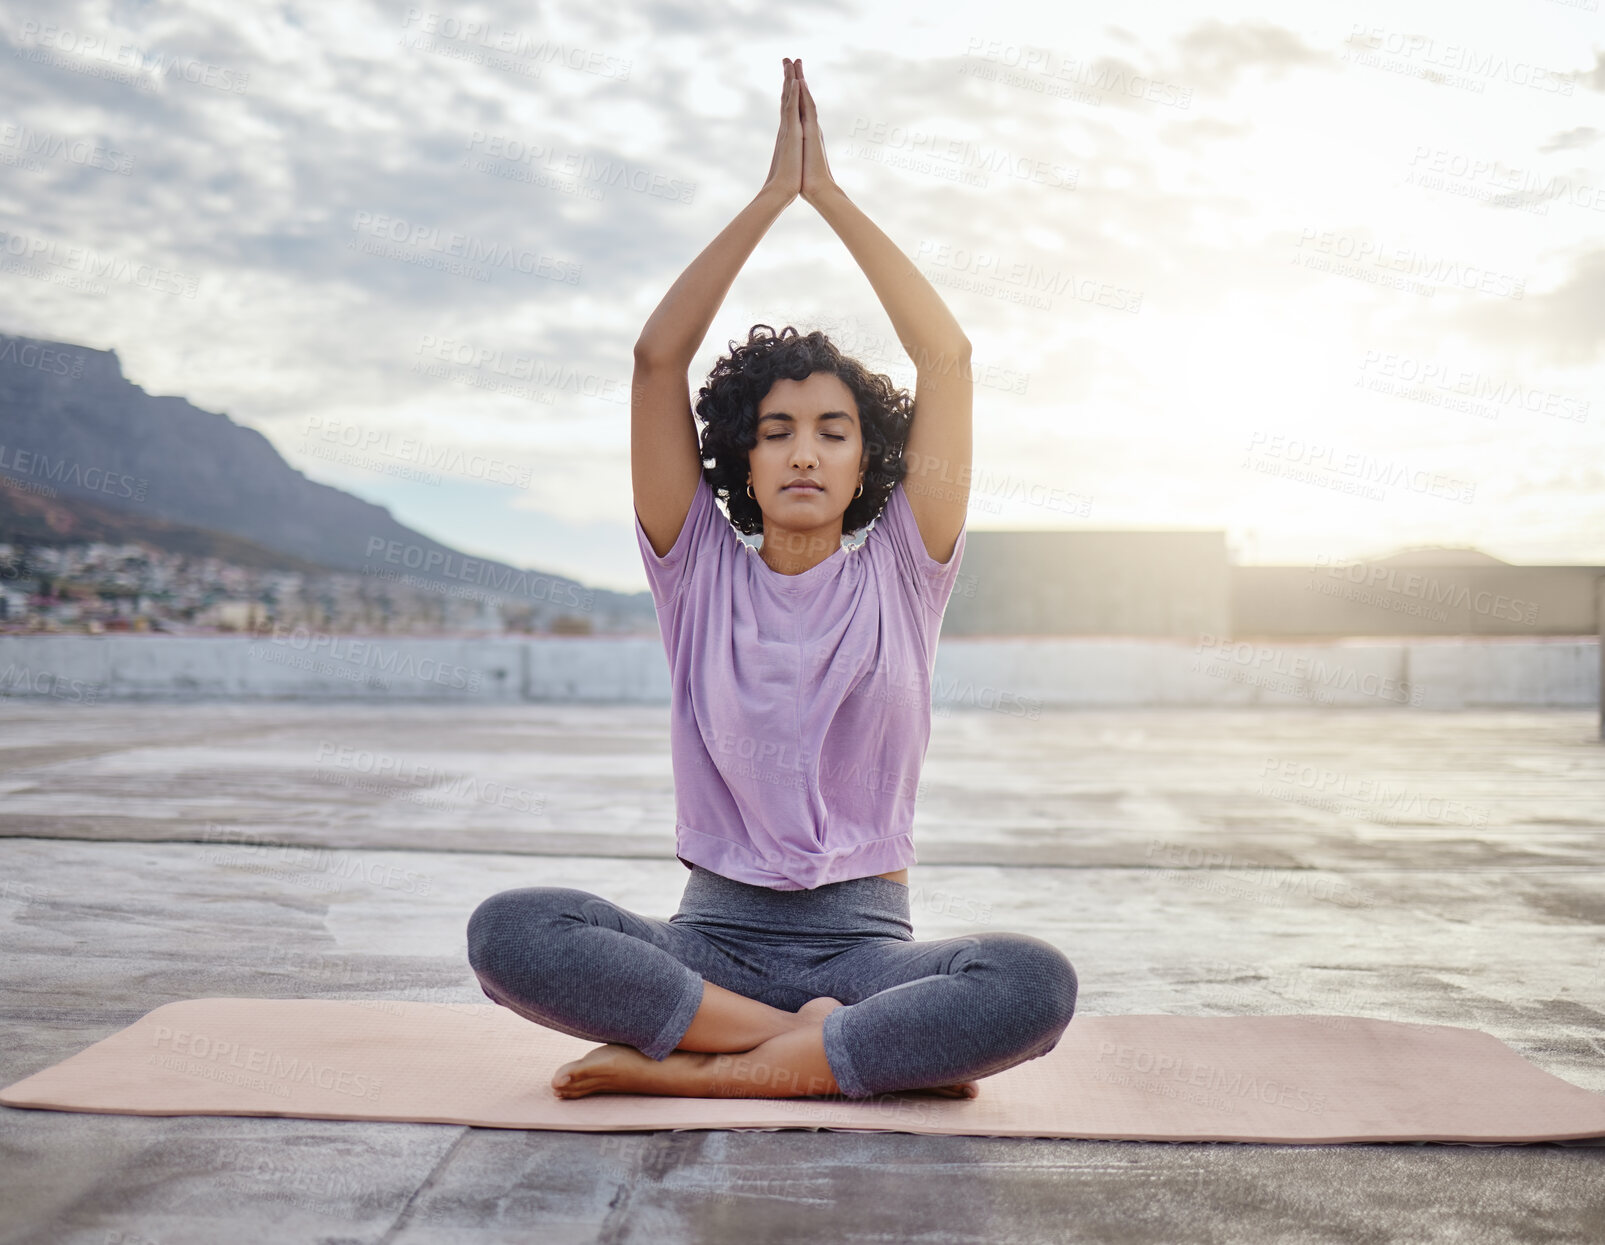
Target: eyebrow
(787,415)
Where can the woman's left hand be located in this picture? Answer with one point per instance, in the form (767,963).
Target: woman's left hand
(816,178)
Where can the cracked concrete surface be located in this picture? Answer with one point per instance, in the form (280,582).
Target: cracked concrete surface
(1434,867)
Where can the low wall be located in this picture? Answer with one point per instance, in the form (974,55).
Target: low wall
(1014,675)
(1430,673)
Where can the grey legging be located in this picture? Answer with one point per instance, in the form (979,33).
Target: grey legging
(915,1014)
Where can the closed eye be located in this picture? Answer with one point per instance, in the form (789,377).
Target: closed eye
(774,436)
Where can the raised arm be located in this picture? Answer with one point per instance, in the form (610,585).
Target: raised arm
(939,447)
(665,456)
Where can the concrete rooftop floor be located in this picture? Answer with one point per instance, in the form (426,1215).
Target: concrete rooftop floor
(1442,868)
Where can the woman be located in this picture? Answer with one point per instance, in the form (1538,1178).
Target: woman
(799,720)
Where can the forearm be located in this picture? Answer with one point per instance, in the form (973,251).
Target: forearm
(675,331)
(921,319)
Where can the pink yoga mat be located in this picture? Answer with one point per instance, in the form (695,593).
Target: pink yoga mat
(1269,1079)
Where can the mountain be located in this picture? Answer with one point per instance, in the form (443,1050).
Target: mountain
(71,421)
(1439,555)
(29,518)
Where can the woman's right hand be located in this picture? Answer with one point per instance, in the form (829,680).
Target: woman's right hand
(785,169)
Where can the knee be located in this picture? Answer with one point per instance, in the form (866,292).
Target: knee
(512,919)
(1044,983)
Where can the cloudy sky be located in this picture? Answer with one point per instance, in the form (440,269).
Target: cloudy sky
(1328,277)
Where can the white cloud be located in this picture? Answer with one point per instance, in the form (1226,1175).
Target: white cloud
(1213,155)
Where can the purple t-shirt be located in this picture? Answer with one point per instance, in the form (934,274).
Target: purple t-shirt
(800,708)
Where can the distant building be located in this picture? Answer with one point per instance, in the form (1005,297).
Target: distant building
(1037,582)
(1416,592)
(1181,583)
(234,615)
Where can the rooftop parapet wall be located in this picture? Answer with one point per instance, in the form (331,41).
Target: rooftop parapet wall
(1015,676)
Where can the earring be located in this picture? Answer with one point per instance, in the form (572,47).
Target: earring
(860,492)
(750,493)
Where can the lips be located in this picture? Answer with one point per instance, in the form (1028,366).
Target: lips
(802,488)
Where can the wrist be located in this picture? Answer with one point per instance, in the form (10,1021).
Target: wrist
(827,193)
(774,195)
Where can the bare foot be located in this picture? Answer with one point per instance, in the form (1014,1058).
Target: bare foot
(815,1010)
(963,1089)
(619,1069)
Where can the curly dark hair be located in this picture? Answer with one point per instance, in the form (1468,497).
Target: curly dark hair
(727,406)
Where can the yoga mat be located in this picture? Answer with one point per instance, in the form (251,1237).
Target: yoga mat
(1268,1079)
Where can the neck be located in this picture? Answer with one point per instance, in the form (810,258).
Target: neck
(793,552)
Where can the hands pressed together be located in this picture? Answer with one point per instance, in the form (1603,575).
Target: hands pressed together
(799,166)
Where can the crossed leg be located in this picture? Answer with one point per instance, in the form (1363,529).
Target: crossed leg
(943,1011)
(666,998)
(541,950)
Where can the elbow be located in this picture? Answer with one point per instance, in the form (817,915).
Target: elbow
(655,358)
(941,356)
